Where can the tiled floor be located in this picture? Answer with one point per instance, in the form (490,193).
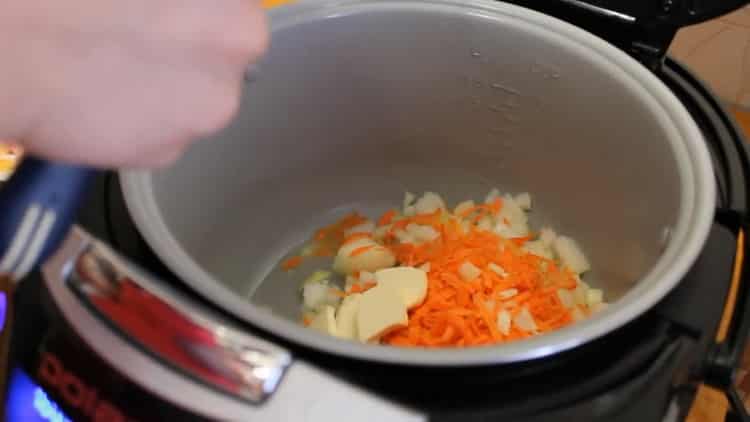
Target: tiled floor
(743,120)
(719,51)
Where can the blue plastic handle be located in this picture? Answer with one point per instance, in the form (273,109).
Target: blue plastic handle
(38,206)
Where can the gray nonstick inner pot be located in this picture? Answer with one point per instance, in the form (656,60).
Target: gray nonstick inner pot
(359,101)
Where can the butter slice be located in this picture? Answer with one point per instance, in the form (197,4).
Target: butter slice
(381,310)
(346,317)
(409,282)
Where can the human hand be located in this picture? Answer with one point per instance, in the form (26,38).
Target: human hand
(123,83)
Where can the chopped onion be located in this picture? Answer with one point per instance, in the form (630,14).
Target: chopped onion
(503,322)
(366,277)
(366,227)
(547,236)
(333,296)
(594,297)
(420,233)
(492,195)
(429,203)
(469,271)
(566,297)
(523,200)
(507,293)
(412,229)
(427,234)
(403,237)
(571,255)
(315,294)
(579,294)
(537,247)
(514,214)
(463,207)
(409,199)
(318,276)
(381,231)
(510,231)
(485,224)
(497,269)
(525,321)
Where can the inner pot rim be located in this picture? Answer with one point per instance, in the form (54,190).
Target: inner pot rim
(687,237)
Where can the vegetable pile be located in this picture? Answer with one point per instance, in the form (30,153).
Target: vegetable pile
(425,276)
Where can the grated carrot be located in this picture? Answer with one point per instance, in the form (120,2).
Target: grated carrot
(356,236)
(458,313)
(337,292)
(495,206)
(327,240)
(386,218)
(360,250)
(291,263)
(519,241)
(357,288)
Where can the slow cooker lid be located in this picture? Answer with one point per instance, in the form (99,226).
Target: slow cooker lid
(672,12)
(643,28)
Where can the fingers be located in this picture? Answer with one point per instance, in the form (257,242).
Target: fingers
(174,74)
(248,36)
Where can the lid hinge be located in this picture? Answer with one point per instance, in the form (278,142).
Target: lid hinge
(650,56)
(651,46)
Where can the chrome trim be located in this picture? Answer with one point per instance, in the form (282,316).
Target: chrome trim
(20,238)
(600,10)
(171,327)
(306,393)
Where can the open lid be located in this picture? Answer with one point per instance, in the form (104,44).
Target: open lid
(644,28)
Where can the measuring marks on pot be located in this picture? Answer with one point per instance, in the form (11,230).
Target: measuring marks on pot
(546,71)
(503,95)
(495,108)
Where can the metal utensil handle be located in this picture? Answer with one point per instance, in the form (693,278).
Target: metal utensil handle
(38,204)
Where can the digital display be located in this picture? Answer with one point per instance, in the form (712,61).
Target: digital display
(28,402)
(3,307)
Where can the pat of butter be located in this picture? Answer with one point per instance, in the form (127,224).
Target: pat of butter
(325,321)
(346,318)
(409,282)
(381,310)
